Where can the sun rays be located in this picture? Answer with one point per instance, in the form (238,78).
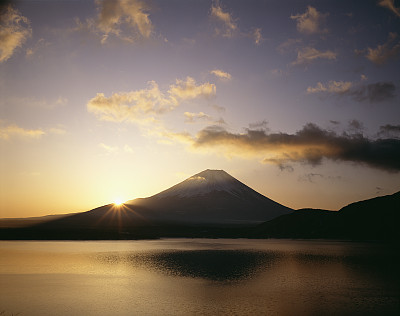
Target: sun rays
(118,202)
(120,215)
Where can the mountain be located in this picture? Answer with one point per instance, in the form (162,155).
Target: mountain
(373,219)
(208,199)
(211,197)
(213,204)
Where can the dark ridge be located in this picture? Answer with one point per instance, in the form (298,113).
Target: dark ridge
(373,219)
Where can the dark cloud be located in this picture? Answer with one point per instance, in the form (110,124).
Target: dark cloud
(4,4)
(314,177)
(375,92)
(309,177)
(262,125)
(356,125)
(389,130)
(310,145)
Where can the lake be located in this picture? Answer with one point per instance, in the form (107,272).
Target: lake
(198,277)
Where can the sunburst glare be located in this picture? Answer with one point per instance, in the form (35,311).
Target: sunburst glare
(118,202)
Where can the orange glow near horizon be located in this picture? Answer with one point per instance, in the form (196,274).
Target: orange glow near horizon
(161,103)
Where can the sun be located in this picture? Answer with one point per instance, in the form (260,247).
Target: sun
(118,202)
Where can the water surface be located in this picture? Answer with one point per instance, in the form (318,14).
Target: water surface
(198,277)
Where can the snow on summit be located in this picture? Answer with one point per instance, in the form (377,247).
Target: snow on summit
(205,182)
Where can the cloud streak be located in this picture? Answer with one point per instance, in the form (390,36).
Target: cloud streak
(374,92)
(10,131)
(310,145)
(337,87)
(14,31)
(221,74)
(307,55)
(194,117)
(143,105)
(109,149)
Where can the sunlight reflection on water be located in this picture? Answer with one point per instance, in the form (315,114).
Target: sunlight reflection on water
(197,276)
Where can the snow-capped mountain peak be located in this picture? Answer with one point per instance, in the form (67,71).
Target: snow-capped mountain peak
(203,183)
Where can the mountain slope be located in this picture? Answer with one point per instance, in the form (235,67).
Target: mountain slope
(373,219)
(376,218)
(211,197)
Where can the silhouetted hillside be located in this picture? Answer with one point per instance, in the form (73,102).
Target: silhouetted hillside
(377,218)
(304,223)
(212,204)
(374,219)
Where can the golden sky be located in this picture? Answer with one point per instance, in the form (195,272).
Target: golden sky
(106,100)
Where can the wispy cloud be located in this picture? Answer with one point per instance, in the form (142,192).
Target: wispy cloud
(194,117)
(226,23)
(128,149)
(126,19)
(143,105)
(390,5)
(338,87)
(35,102)
(385,52)
(288,44)
(310,22)
(14,30)
(33,50)
(359,91)
(221,74)
(115,149)
(57,131)
(307,55)
(109,149)
(202,117)
(314,177)
(186,90)
(10,131)
(257,36)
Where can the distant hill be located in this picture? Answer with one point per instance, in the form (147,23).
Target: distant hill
(373,219)
(28,221)
(377,218)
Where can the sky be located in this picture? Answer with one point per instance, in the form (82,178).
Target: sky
(121,99)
